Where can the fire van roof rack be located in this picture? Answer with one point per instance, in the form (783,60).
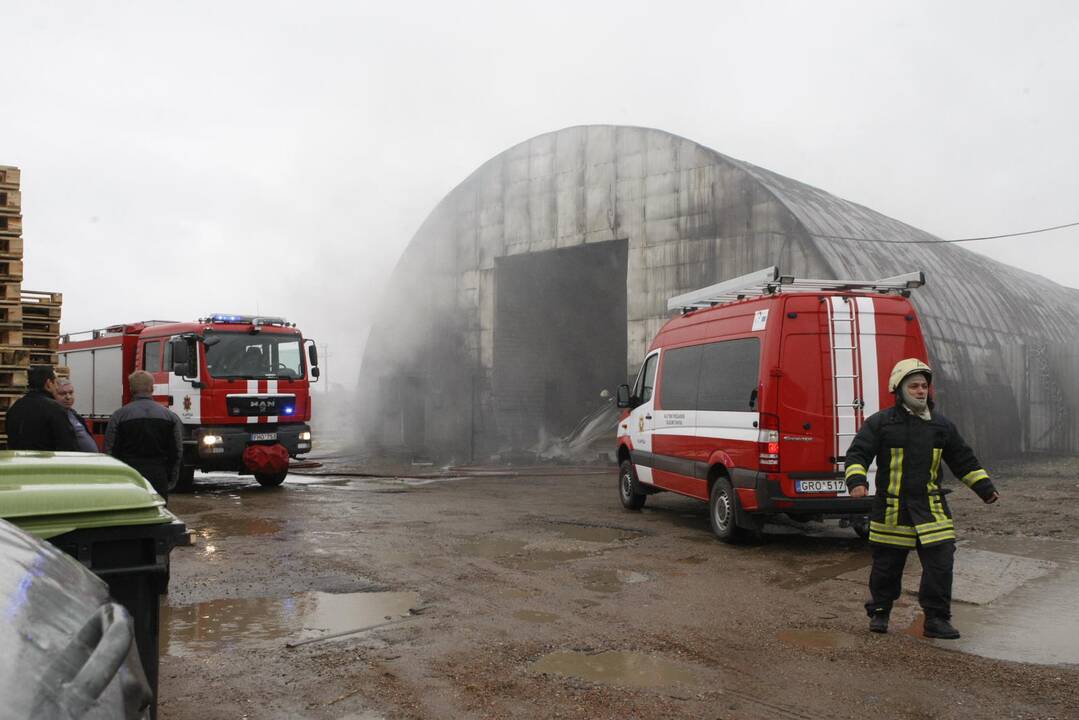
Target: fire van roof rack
(769,281)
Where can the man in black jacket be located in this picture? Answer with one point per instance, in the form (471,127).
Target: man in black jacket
(36,421)
(146,435)
(908,442)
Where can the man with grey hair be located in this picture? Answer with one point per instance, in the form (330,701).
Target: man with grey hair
(146,435)
(64,393)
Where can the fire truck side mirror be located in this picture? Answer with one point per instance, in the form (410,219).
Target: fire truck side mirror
(312,359)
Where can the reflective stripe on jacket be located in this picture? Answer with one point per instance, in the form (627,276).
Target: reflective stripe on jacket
(910,507)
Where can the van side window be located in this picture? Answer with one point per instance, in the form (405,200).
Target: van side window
(648,379)
(151,356)
(678,383)
(729,374)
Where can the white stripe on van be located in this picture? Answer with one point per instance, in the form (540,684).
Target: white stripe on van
(867,346)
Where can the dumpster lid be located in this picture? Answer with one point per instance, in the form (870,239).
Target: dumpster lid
(51,493)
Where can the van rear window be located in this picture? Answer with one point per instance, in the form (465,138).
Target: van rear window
(729,375)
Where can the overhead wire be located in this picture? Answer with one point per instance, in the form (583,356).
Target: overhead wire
(940,241)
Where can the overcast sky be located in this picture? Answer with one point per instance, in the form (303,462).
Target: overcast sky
(181,158)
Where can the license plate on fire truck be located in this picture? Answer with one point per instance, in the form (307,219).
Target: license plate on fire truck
(821,486)
(255,437)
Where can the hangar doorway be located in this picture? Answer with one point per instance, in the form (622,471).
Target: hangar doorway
(559,338)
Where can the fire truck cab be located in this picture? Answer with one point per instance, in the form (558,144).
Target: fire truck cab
(239,383)
(749,398)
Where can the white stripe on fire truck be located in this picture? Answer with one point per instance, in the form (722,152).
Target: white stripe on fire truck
(252,389)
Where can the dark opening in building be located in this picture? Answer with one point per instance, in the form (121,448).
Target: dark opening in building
(559,337)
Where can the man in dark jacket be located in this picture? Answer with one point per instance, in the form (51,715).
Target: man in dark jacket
(36,421)
(910,512)
(146,435)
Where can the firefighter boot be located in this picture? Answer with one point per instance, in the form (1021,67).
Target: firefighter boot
(939,627)
(878,622)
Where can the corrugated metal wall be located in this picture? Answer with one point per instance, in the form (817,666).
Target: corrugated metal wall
(691,217)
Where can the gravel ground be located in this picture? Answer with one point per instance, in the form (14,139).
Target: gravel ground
(537,568)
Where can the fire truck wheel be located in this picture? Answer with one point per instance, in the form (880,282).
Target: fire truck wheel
(721,508)
(186,482)
(860,525)
(271,479)
(628,492)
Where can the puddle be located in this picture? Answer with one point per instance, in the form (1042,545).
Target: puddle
(817,639)
(628,669)
(222,624)
(216,525)
(611,581)
(535,616)
(492,548)
(595,534)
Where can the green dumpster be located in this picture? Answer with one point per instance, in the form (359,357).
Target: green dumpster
(106,515)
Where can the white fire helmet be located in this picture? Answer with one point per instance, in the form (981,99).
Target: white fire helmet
(903,368)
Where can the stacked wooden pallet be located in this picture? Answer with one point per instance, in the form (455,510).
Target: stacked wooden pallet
(14,360)
(29,320)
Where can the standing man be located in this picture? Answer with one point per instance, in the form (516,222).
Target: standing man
(146,435)
(908,441)
(36,421)
(65,395)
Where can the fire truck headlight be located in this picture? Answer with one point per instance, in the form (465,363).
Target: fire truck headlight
(305,435)
(211,440)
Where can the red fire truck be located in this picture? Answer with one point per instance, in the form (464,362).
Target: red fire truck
(239,383)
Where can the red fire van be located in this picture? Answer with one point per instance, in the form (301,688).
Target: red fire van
(750,397)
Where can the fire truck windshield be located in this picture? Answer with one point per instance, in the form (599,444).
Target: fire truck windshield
(243,355)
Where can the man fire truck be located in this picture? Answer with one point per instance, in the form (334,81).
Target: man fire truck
(240,384)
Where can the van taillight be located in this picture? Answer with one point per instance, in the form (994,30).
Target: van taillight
(768,441)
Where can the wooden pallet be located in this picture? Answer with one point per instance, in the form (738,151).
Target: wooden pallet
(63,371)
(10,177)
(10,290)
(8,398)
(38,327)
(53,299)
(43,357)
(40,342)
(14,358)
(11,336)
(40,312)
(10,313)
(12,379)
(11,247)
(10,224)
(10,270)
(10,202)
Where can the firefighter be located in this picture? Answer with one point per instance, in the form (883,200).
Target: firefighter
(910,511)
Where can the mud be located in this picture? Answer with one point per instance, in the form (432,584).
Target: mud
(542,598)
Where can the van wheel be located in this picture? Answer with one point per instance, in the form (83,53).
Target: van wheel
(860,525)
(627,487)
(186,482)
(721,508)
(271,479)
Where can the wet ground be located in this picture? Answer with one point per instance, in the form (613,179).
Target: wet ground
(534,595)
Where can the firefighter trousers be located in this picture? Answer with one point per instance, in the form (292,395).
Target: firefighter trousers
(935,591)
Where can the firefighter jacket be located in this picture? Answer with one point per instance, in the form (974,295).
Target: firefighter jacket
(910,508)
